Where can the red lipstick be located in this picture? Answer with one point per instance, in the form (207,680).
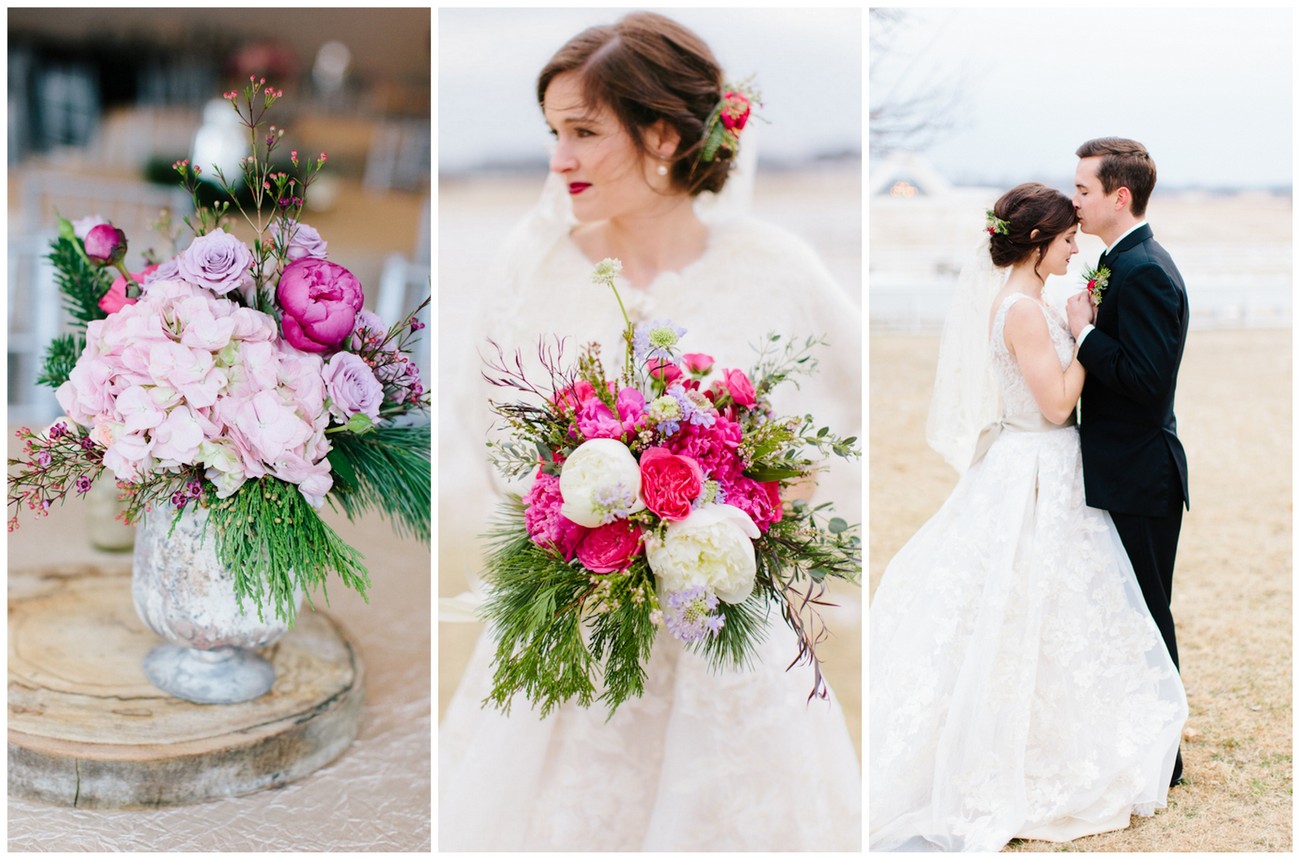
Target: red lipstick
(578,187)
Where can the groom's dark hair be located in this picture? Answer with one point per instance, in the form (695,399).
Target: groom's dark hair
(1124,163)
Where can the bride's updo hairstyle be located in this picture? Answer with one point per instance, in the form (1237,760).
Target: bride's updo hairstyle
(647,68)
(1028,207)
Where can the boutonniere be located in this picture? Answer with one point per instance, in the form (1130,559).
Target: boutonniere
(1097,280)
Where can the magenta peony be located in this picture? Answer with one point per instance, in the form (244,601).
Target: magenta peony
(546,526)
(319,302)
(610,548)
(105,245)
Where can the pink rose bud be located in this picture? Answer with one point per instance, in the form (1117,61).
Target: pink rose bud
(319,301)
(697,362)
(740,388)
(736,111)
(662,368)
(105,245)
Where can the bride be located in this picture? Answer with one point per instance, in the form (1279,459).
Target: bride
(1019,686)
(705,759)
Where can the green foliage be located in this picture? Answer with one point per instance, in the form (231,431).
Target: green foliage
(80,284)
(60,357)
(385,469)
(535,610)
(274,541)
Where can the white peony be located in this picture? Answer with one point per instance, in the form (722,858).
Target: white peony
(712,547)
(600,483)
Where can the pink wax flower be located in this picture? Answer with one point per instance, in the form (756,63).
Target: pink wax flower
(546,526)
(319,302)
(740,388)
(611,547)
(105,245)
(669,483)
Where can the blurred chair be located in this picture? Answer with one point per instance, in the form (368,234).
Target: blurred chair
(404,283)
(400,155)
(34,302)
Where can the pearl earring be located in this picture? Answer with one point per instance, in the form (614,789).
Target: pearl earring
(662,170)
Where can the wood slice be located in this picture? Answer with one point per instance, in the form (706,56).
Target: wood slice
(86,728)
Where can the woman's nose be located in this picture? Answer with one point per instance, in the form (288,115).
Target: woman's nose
(561,159)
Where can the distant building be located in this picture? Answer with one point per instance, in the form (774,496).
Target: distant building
(907,174)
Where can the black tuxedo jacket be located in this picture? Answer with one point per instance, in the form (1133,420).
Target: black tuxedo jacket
(1133,462)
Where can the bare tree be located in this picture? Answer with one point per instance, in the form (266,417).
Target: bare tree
(914,102)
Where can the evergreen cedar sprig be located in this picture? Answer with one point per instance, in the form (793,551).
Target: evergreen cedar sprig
(277,545)
(81,286)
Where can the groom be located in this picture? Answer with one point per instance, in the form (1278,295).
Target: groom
(1133,464)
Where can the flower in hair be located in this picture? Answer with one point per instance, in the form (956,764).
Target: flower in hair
(728,119)
(995,225)
(1097,280)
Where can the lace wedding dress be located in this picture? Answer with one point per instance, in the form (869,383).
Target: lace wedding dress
(1019,687)
(737,760)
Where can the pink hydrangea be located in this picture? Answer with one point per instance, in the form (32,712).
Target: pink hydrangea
(546,526)
(185,378)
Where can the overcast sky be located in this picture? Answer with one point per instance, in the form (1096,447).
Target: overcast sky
(808,64)
(1209,91)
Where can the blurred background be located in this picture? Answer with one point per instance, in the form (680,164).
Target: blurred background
(103,101)
(492,162)
(967,103)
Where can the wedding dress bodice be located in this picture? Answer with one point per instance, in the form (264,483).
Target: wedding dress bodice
(1017,399)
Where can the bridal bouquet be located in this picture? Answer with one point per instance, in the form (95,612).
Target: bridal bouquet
(657,504)
(245,380)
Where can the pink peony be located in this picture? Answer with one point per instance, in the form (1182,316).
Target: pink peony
(319,302)
(713,447)
(669,483)
(761,500)
(546,526)
(740,388)
(610,548)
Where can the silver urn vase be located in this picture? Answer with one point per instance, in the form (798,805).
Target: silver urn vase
(185,595)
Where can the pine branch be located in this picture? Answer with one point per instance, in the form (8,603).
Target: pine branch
(385,470)
(275,542)
(60,358)
(80,284)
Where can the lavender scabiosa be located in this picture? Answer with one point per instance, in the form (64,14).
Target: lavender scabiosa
(689,614)
(656,340)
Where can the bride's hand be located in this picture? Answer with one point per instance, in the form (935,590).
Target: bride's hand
(1081,312)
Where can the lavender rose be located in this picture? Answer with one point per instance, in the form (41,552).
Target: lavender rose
(303,242)
(319,302)
(217,261)
(351,387)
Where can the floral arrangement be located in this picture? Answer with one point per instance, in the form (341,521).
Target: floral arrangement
(657,503)
(728,120)
(247,381)
(1096,281)
(993,225)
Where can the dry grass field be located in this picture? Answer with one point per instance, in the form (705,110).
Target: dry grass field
(1232,586)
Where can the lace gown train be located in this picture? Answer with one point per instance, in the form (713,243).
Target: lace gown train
(1019,686)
